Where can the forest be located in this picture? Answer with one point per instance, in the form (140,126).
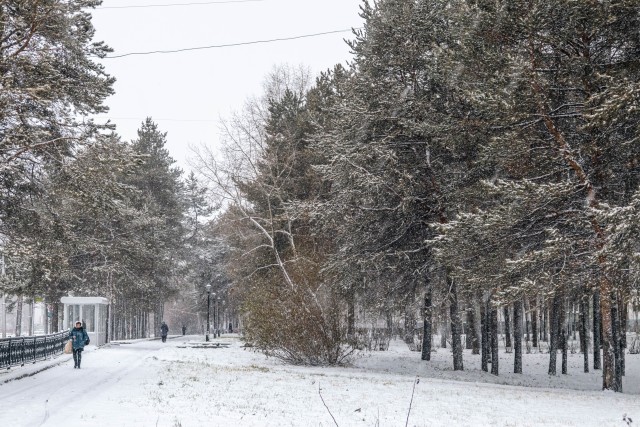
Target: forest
(472,171)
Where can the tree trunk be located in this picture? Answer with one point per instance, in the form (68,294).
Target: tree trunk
(387,314)
(624,315)
(469,331)
(545,324)
(443,327)
(608,344)
(427,327)
(574,320)
(351,316)
(553,334)
(484,329)
(55,309)
(564,337)
(517,337)
(534,322)
(507,327)
(31,320)
(477,331)
(494,341)
(472,335)
(456,340)
(18,330)
(596,330)
(615,332)
(541,328)
(409,318)
(584,337)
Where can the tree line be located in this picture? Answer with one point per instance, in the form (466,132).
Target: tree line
(474,157)
(81,210)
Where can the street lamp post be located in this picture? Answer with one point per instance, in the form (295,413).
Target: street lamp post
(208,310)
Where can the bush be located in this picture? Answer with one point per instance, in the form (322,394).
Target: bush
(300,325)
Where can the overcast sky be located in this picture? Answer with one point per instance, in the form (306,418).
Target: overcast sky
(186,92)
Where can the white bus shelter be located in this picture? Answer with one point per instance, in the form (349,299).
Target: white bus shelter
(91,311)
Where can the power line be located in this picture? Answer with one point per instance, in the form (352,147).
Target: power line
(158,119)
(227,45)
(143,6)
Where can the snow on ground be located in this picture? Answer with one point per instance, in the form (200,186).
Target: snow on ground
(149,383)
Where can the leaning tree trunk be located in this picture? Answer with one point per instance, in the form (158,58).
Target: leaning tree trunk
(494,341)
(456,339)
(596,330)
(517,337)
(427,327)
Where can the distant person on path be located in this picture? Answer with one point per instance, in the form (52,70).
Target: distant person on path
(184,329)
(230,327)
(164,330)
(79,338)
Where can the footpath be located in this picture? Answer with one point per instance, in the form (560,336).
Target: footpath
(32,368)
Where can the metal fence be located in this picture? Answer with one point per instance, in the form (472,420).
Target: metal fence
(21,350)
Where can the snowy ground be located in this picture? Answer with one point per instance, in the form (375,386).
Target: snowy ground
(149,383)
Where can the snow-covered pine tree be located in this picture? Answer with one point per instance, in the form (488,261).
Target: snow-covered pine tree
(160,201)
(541,72)
(399,143)
(50,82)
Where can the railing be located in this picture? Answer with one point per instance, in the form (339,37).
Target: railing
(21,350)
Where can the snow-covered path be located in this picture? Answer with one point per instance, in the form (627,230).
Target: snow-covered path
(149,383)
(57,395)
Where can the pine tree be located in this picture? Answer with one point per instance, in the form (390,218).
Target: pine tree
(160,199)
(541,72)
(50,83)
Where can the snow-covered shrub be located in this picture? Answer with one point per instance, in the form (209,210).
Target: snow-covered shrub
(299,324)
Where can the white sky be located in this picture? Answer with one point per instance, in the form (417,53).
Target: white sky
(186,93)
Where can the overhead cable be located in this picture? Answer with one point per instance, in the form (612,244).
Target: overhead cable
(142,6)
(227,45)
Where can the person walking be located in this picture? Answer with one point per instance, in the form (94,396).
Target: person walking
(184,329)
(164,330)
(79,338)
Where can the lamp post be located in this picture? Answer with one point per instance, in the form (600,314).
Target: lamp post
(208,310)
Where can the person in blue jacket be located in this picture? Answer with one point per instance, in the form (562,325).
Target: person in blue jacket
(79,339)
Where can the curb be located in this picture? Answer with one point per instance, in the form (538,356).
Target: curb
(33,372)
